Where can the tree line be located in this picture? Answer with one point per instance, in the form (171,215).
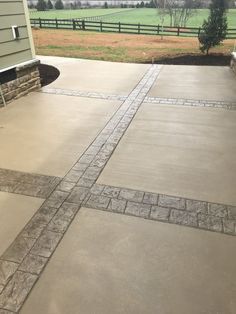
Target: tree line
(43,5)
(179,11)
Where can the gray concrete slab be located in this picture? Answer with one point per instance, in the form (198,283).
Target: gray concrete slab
(110,263)
(181,151)
(47,134)
(96,76)
(15,212)
(195,82)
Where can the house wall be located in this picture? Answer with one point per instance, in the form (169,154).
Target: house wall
(14,51)
(19,72)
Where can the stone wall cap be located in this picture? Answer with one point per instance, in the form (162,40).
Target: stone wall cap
(27,64)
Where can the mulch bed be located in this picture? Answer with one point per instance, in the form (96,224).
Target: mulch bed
(48,74)
(194,59)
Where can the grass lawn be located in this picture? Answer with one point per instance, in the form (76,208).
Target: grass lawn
(116,47)
(135,16)
(69,14)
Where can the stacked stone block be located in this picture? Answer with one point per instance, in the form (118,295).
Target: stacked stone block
(27,80)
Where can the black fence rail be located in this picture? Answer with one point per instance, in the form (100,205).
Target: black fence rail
(103,16)
(125,28)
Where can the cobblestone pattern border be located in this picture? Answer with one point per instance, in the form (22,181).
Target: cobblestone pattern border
(156,100)
(22,263)
(27,184)
(191,102)
(77,93)
(178,210)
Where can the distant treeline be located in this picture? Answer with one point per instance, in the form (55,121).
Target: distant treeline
(43,5)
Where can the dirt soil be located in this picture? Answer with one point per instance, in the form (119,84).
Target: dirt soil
(128,47)
(195,59)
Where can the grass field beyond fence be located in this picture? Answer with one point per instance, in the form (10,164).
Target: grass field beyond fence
(133,16)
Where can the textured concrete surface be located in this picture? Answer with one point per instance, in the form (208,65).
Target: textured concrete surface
(195,82)
(187,152)
(96,76)
(15,211)
(109,263)
(48,133)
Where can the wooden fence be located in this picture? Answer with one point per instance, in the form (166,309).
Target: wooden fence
(100,26)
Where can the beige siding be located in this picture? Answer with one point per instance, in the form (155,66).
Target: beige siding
(13,52)
(8,21)
(13,47)
(10,8)
(6,34)
(10,60)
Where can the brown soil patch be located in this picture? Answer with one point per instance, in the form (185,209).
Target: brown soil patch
(121,47)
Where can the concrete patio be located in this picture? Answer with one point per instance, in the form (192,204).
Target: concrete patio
(118,191)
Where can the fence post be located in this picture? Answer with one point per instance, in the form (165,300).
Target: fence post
(40,23)
(199,31)
(100,26)
(178,31)
(158,29)
(74,25)
(119,28)
(56,22)
(83,25)
(139,28)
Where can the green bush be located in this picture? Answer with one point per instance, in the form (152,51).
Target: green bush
(215,27)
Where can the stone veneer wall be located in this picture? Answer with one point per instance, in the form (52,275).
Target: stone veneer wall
(233,62)
(27,80)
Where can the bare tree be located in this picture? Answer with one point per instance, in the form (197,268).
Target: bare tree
(179,11)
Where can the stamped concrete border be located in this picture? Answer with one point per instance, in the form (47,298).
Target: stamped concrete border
(191,102)
(77,93)
(178,210)
(22,263)
(156,100)
(29,184)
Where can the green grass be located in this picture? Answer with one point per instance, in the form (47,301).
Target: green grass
(68,14)
(142,16)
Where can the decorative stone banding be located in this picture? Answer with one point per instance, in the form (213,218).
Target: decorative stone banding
(191,102)
(29,253)
(26,183)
